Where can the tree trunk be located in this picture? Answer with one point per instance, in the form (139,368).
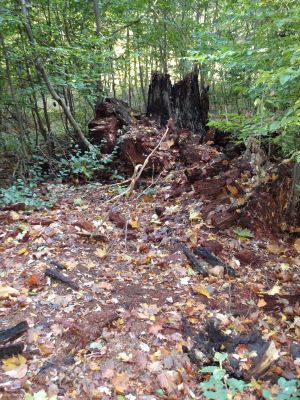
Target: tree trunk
(41,69)
(159,105)
(18,112)
(97,17)
(294,200)
(186,104)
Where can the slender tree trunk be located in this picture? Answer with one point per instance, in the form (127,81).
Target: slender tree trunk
(97,17)
(41,69)
(18,112)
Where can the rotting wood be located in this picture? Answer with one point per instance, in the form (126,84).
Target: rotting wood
(193,260)
(60,277)
(14,332)
(57,265)
(11,350)
(212,260)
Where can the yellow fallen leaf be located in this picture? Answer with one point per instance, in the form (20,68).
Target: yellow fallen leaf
(22,251)
(194,215)
(15,367)
(7,291)
(134,223)
(14,216)
(101,252)
(202,290)
(124,357)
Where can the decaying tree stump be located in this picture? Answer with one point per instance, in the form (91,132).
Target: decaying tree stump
(159,105)
(187,104)
(110,115)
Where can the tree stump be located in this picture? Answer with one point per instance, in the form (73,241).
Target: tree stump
(110,115)
(187,104)
(159,105)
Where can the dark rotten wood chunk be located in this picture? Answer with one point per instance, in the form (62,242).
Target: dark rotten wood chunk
(193,260)
(11,350)
(62,278)
(210,187)
(13,332)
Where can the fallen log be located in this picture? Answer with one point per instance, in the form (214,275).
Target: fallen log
(14,332)
(11,350)
(193,260)
(60,277)
(212,260)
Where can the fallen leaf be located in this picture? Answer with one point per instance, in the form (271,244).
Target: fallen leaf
(121,382)
(297,244)
(7,291)
(169,380)
(144,347)
(203,290)
(101,252)
(194,215)
(134,223)
(22,251)
(275,290)
(15,367)
(46,349)
(261,303)
(124,356)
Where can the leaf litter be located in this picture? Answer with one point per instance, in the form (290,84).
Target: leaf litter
(122,332)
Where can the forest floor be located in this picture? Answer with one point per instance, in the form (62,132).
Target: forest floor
(123,333)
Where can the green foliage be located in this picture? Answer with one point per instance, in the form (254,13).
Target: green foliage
(80,164)
(243,233)
(288,390)
(86,164)
(25,192)
(254,54)
(220,387)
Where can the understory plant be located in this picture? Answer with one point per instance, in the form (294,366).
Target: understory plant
(220,386)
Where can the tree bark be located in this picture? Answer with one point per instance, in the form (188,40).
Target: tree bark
(18,112)
(41,69)
(187,104)
(159,105)
(97,16)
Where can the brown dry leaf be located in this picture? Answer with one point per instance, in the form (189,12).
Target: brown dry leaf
(261,303)
(101,252)
(167,144)
(297,244)
(203,290)
(218,271)
(155,328)
(169,380)
(275,249)
(233,190)
(46,349)
(33,280)
(121,382)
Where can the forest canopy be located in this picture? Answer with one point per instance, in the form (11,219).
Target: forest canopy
(58,57)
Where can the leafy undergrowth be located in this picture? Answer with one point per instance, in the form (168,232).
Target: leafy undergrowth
(120,336)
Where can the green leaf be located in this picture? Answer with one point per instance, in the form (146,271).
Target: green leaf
(244,233)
